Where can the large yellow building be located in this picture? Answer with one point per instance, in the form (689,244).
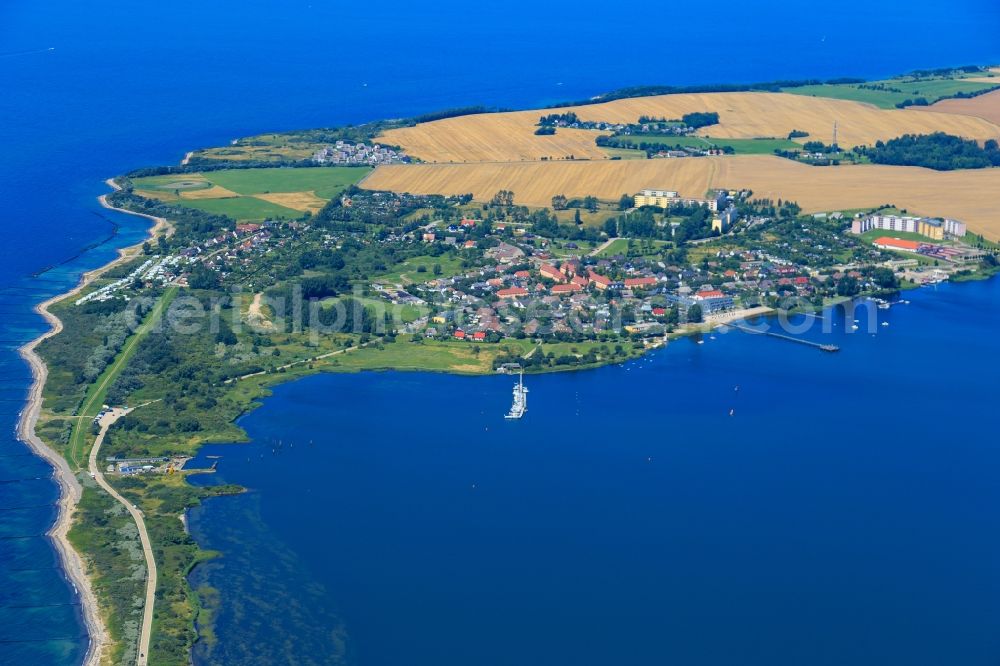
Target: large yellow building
(931,228)
(666,198)
(661,198)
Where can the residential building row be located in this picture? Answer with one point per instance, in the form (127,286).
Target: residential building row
(933,228)
(666,198)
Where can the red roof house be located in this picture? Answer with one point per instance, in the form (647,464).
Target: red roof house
(565,288)
(512,292)
(640,283)
(896,244)
(599,280)
(551,272)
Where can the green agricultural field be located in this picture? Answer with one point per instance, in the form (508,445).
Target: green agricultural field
(243,194)
(634,248)
(595,219)
(740,146)
(432,355)
(559,248)
(264,147)
(410,271)
(894,91)
(242,208)
(618,246)
(400,314)
(625,153)
(187,182)
(326,182)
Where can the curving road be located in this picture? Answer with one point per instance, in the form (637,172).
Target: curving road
(147,549)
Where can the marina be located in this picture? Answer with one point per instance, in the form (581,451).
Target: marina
(520,404)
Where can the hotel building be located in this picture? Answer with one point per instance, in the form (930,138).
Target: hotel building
(936,229)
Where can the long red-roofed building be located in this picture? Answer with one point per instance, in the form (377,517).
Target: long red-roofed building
(887,243)
(566,288)
(599,281)
(512,292)
(640,283)
(551,272)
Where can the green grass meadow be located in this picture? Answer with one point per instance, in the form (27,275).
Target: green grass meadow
(242,208)
(902,89)
(740,146)
(325,182)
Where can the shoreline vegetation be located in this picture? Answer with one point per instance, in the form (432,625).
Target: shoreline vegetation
(164,419)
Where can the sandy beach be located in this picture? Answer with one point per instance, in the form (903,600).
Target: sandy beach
(69,486)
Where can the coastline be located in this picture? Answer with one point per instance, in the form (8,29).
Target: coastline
(70,489)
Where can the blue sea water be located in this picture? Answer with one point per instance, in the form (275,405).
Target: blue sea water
(93,89)
(844,513)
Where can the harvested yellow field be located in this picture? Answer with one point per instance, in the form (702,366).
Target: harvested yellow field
(214,192)
(965,195)
(509,137)
(535,183)
(493,137)
(985,106)
(302,201)
(747,115)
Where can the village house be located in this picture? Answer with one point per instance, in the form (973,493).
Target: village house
(640,283)
(551,272)
(505,253)
(512,292)
(565,288)
(599,281)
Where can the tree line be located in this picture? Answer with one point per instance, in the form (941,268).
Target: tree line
(939,151)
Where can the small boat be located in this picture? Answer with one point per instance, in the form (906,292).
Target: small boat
(885,323)
(732,411)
